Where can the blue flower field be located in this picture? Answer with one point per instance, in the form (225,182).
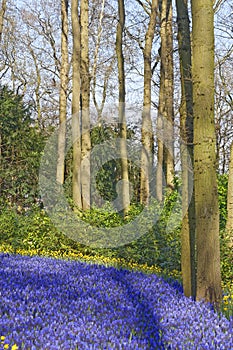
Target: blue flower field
(54,304)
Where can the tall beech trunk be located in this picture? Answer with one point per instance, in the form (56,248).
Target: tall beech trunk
(169,91)
(160,131)
(206,193)
(122,119)
(2,14)
(165,140)
(63,93)
(85,105)
(147,130)
(167,56)
(76,180)
(186,131)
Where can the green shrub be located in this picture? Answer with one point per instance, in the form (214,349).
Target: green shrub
(9,228)
(222,198)
(226,258)
(21,147)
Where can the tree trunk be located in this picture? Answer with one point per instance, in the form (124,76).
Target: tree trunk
(2,14)
(159,169)
(168,110)
(206,193)
(125,198)
(165,137)
(186,127)
(85,105)
(76,181)
(147,130)
(63,93)
(229,224)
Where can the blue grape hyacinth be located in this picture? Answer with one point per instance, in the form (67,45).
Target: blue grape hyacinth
(54,304)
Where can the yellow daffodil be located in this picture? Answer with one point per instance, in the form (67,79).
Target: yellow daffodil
(14,347)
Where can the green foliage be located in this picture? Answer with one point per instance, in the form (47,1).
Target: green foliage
(226,257)
(108,172)
(32,230)
(105,167)
(9,228)
(106,180)
(222,197)
(167,230)
(225,247)
(21,146)
(102,217)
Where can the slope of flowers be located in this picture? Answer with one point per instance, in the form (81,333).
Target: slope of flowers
(55,304)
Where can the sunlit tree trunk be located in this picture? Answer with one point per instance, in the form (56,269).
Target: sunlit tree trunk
(229,224)
(2,14)
(147,130)
(160,130)
(160,133)
(76,181)
(63,93)
(168,109)
(122,119)
(186,144)
(100,102)
(85,105)
(206,193)
(62,102)
(165,133)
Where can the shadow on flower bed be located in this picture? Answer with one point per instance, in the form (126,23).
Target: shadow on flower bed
(56,304)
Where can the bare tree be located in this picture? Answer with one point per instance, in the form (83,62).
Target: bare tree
(85,104)
(63,93)
(165,121)
(122,119)
(2,14)
(35,74)
(147,130)
(103,61)
(166,109)
(76,180)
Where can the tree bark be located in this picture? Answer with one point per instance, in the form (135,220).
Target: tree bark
(165,139)
(76,134)
(186,144)
(229,224)
(206,193)
(2,14)
(159,169)
(125,197)
(168,110)
(85,105)
(63,93)
(147,130)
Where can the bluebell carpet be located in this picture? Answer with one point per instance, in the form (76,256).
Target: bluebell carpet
(57,304)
